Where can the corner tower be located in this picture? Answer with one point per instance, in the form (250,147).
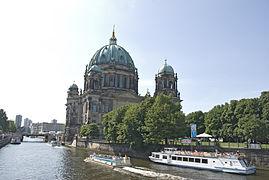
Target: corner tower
(166,81)
(73,110)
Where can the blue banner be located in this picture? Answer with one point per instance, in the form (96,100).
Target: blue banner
(193,130)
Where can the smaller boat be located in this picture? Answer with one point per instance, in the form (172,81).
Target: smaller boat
(108,160)
(55,143)
(15,140)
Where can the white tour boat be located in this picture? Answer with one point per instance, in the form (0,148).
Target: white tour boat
(232,163)
(112,161)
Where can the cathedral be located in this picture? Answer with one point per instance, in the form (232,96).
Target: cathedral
(110,81)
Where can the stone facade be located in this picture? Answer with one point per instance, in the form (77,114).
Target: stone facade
(39,128)
(110,81)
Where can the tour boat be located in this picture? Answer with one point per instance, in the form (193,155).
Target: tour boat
(15,140)
(112,161)
(231,163)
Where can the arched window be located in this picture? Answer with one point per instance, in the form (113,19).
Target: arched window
(124,81)
(91,84)
(121,81)
(165,82)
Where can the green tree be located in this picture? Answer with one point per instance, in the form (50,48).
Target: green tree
(130,130)
(90,130)
(213,121)
(111,122)
(250,122)
(197,118)
(3,120)
(11,126)
(161,120)
(264,103)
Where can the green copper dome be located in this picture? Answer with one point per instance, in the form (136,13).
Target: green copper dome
(95,68)
(73,86)
(166,68)
(112,54)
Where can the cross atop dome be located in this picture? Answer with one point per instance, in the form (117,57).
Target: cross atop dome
(113,39)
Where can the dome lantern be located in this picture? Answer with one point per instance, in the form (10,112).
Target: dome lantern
(113,39)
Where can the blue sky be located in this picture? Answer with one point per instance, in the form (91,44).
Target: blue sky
(219,48)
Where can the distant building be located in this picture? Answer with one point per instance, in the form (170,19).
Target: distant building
(39,128)
(27,124)
(53,121)
(18,120)
(35,128)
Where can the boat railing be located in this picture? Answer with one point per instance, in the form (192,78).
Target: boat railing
(210,154)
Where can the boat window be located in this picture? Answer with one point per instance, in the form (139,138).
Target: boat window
(191,159)
(213,161)
(157,156)
(246,162)
(204,161)
(174,157)
(164,157)
(185,159)
(197,160)
(179,158)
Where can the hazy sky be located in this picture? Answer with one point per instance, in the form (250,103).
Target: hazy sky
(219,48)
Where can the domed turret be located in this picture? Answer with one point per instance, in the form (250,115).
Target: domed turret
(73,87)
(166,68)
(112,54)
(72,90)
(166,81)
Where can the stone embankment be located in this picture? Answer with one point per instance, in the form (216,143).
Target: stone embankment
(4,141)
(260,157)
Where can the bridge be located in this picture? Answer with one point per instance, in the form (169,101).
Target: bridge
(47,137)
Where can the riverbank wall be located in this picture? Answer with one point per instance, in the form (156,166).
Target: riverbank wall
(4,141)
(259,157)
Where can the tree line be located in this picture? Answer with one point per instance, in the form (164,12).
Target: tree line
(6,125)
(159,118)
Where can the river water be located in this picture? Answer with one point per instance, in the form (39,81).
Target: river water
(32,160)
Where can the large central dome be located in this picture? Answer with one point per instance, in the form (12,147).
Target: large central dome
(112,54)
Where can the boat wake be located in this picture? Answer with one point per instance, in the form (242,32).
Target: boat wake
(148,173)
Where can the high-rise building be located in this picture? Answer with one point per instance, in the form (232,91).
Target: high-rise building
(27,122)
(18,120)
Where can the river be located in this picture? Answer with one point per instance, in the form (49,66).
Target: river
(32,160)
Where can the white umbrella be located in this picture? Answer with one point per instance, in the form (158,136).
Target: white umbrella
(204,135)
